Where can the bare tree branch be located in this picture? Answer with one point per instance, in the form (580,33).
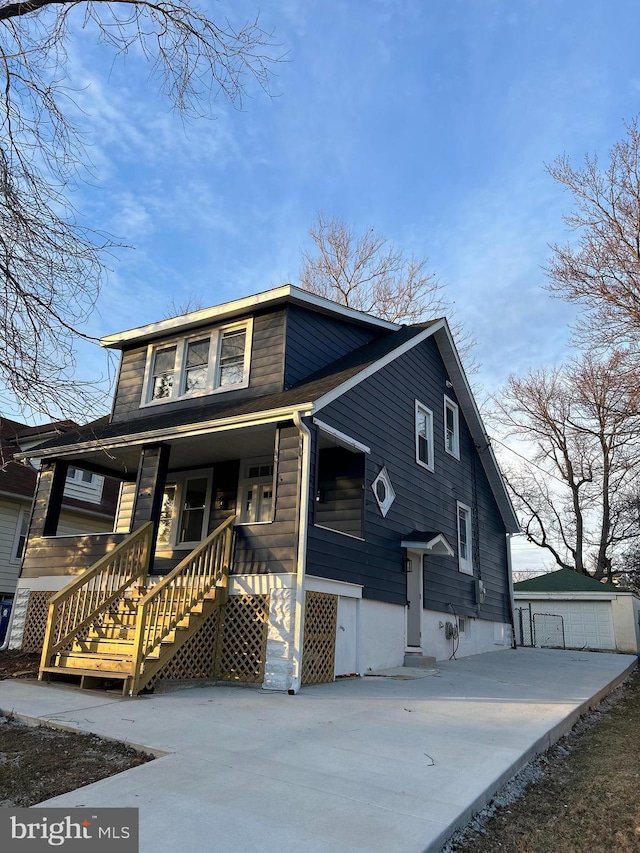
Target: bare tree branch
(601,270)
(578,497)
(51,264)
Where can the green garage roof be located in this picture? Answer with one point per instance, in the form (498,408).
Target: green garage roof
(564,580)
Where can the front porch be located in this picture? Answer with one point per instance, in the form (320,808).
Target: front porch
(150,600)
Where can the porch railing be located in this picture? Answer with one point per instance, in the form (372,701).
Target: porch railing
(173,599)
(77,605)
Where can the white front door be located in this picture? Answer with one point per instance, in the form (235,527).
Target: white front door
(414,600)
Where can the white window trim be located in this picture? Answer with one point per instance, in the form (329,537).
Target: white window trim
(465,566)
(179,480)
(181,344)
(421,406)
(453,407)
(245,482)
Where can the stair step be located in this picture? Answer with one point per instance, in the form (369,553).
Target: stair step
(103,645)
(111,632)
(417,659)
(94,662)
(62,670)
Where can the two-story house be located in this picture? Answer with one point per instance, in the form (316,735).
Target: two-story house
(307,492)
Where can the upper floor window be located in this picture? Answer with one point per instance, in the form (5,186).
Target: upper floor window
(465,563)
(198,365)
(451,428)
(424,436)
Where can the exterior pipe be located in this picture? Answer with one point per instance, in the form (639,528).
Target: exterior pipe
(303,515)
(512,610)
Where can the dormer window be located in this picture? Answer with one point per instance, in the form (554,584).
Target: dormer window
(197,365)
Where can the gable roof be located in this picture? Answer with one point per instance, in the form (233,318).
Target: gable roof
(564,580)
(306,398)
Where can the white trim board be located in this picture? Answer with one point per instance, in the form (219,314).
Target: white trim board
(216,313)
(315,584)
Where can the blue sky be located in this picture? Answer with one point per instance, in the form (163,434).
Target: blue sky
(429,120)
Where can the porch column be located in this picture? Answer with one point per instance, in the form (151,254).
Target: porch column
(152,477)
(48,498)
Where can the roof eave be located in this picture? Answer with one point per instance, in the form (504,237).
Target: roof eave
(287,293)
(164,434)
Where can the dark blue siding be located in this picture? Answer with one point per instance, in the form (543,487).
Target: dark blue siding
(265,377)
(314,340)
(380,412)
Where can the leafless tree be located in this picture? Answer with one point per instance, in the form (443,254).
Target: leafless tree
(576,494)
(51,264)
(369,273)
(601,271)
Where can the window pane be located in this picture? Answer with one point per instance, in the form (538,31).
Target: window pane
(450,419)
(266,500)
(195,380)
(233,344)
(166,514)
(198,353)
(462,532)
(232,357)
(163,367)
(193,505)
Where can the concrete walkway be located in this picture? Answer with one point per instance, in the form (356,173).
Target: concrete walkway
(385,764)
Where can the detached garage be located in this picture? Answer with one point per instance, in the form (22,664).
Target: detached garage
(568,608)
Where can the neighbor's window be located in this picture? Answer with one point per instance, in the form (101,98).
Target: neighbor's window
(464,539)
(255,491)
(198,365)
(83,485)
(451,428)
(21,534)
(424,436)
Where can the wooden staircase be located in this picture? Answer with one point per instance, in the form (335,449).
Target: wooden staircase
(108,627)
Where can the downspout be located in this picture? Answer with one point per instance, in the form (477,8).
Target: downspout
(511,602)
(7,640)
(303,516)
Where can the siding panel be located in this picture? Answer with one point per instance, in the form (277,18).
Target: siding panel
(380,412)
(315,340)
(266,548)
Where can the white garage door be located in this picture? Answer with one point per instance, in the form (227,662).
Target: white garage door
(587,624)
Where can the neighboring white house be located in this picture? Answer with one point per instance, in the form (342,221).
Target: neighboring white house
(585,613)
(89,499)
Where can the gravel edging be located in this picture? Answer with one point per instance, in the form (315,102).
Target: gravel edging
(538,768)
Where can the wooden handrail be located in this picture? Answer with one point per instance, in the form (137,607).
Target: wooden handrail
(78,604)
(192,555)
(175,596)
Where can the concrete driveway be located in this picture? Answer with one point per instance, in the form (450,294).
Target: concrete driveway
(387,764)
